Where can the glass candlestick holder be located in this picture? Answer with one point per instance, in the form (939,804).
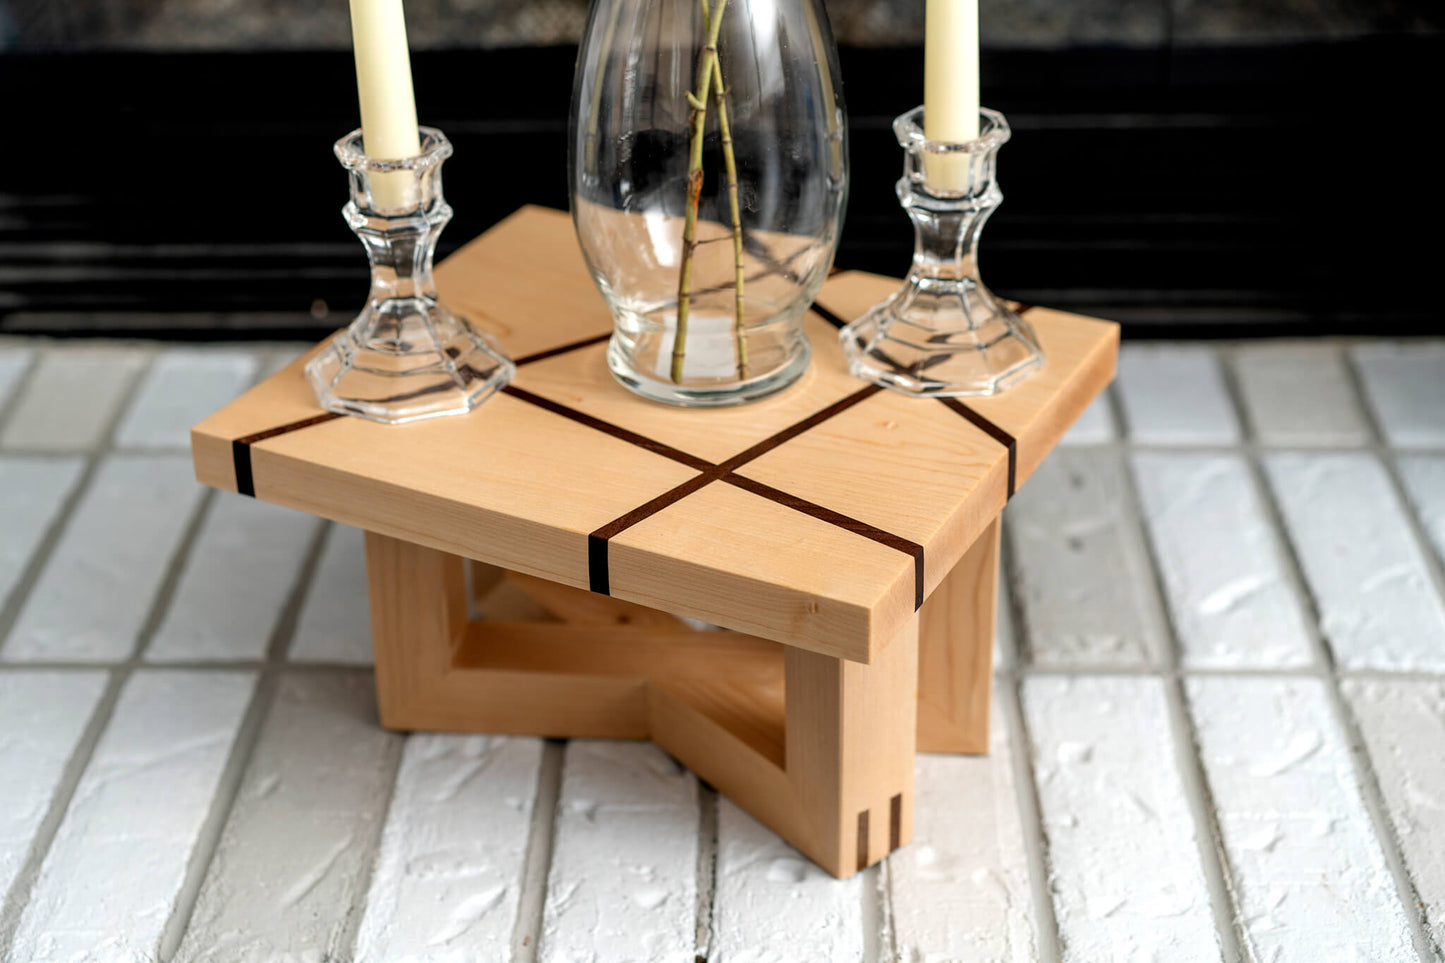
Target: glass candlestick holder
(944,334)
(406,356)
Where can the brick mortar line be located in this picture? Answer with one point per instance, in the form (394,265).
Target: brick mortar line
(537,861)
(873,918)
(1389,458)
(14,901)
(17,899)
(345,948)
(1047,940)
(707,844)
(1219,874)
(1369,785)
(1246,447)
(243,747)
(22,384)
(238,757)
(887,920)
(1027,671)
(1163,672)
(40,555)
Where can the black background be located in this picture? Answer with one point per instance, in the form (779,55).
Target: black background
(1256,191)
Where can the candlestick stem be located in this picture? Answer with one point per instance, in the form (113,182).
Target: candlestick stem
(944,333)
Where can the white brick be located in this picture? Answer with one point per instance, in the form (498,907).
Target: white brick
(1308,870)
(623,882)
(1403,722)
(1405,385)
(960,891)
(1174,395)
(1300,394)
(183,386)
(335,623)
(95,591)
(13,362)
(110,880)
(772,905)
(1377,606)
(71,398)
(1080,570)
(290,869)
(448,877)
(31,493)
(1124,866)
(1221,563)
(242,569)
(1424,478)
(1094,427)
(42,715)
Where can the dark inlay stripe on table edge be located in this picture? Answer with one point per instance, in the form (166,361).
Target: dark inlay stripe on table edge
(599,578)
(241,448)
(839,520)
(993,431)
(895,822)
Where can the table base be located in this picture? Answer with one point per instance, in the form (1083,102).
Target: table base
(818,748)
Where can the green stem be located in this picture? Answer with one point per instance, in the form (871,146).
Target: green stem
(730,162)
(698,101)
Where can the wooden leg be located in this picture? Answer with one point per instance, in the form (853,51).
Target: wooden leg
(849,750)
(955,652)
(818,748)
(418,616)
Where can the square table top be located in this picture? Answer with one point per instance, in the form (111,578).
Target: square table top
(820,517)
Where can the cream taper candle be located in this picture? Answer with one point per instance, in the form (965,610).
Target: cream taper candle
(950,86)
(388,106)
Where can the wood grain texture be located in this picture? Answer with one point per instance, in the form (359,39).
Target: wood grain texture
(579,607)
(955,652)
(521,482)
(818,747)
(581,379)
(1079,360)
(814,524)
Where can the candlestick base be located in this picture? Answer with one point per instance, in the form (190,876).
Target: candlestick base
(943,333)
(406,356)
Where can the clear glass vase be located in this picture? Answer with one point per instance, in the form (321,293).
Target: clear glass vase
(943,333)
(709,221)
(406,356)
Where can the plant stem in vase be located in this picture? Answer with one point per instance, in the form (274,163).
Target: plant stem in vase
(707,70)
(731,165)
(700,322)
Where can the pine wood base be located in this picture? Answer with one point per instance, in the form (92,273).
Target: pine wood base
(817,747)
(847,537)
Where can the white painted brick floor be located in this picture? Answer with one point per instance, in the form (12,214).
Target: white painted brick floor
(1219,731)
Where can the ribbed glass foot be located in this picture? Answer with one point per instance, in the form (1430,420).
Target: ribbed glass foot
(440,366)
(969,344)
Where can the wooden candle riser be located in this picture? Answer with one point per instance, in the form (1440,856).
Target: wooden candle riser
(844,536)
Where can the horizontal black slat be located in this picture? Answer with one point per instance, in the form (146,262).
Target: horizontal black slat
(1248,191)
